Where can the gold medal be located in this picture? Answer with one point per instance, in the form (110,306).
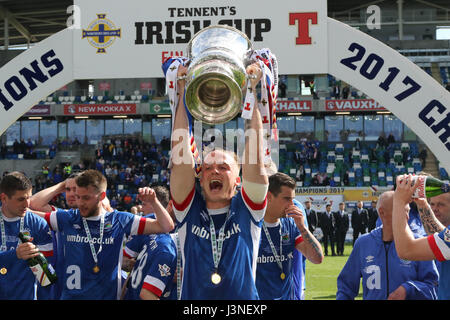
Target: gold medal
(96,269)
(3,271)
(282,276)
(216,278)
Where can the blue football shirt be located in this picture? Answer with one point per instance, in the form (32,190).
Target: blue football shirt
(79,279)
(17,281)
(237,266)
(268,281)
(440,245)
(155,267)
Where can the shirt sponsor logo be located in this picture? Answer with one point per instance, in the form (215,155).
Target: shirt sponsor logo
(270,259)
(203,233)
(79,239)
(369,259)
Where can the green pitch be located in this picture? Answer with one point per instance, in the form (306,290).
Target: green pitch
(321,279)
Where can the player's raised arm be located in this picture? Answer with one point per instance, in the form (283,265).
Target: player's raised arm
(40,200)
(407,246)
(310,247)
(254,178)
(253,164)
(163,222)
(182,177)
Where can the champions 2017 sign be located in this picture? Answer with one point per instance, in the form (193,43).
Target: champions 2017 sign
(131,39)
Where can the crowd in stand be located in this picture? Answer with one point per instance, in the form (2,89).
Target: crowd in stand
(129,163)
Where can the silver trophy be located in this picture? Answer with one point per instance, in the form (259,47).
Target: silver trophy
(216,78)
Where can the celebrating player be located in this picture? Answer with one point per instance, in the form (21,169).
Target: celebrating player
(93,238)
(219,229)
(17,282)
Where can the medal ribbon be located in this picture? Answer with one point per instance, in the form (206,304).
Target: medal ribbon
(217,244)
(3,230)
(88,233)
(272,246)
(178,266)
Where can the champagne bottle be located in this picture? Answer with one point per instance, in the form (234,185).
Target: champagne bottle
(44,272)
(429,187)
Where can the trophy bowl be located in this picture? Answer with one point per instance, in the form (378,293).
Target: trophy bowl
(216,78)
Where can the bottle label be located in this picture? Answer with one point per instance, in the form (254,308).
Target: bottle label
(420,191)
(40,275)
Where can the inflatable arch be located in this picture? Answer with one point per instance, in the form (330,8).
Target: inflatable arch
(344,52)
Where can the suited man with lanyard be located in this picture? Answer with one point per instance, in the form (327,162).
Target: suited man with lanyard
(360,219)
(284,232)
(311,216)
(327,224)
(342,225)
(219,229)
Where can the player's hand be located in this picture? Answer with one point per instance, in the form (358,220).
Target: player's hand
(147,194)
(255,73)
(128,264)
(405,188)
(107,205)
(398,294)
(26,251)
(294,212)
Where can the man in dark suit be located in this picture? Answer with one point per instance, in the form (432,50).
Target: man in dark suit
(360,219)
(373,216)
(311,217)
(342,225)
(327,225)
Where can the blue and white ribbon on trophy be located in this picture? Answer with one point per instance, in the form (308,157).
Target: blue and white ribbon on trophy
(170,69)
(269,94)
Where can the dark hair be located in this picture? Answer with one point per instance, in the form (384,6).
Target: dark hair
(74,175)
(92,178)
(162,193)
(14,181)
(278,180)
(328,205)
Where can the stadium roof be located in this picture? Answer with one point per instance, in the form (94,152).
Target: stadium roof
(34,20)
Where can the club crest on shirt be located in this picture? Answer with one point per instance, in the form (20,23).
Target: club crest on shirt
(447,235)
(164,270)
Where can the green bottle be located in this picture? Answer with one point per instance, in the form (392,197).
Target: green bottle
(430,187)
(44,272)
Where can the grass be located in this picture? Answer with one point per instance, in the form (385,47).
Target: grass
(321,279)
